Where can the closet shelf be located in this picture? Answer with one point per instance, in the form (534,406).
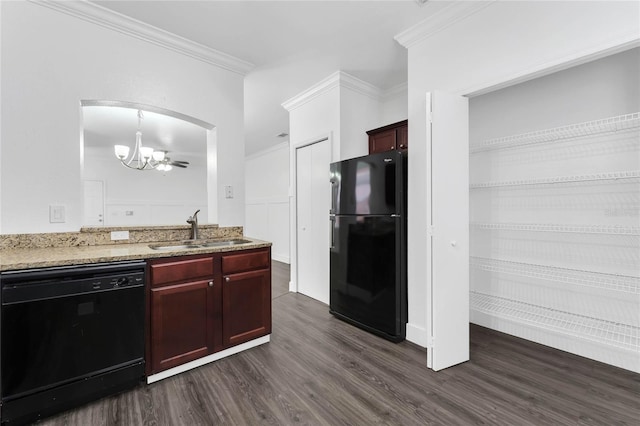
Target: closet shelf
(548,227)
(608,176)
(589,128)
(609,282)
(606,332)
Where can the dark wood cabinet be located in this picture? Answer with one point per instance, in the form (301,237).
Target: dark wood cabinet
(246,297)
(182,321)
(391,137)
(182,328)
(194,310)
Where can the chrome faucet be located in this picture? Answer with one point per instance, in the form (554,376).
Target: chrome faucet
(193,221)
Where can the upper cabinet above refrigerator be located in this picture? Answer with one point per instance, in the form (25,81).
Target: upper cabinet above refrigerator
(389,138)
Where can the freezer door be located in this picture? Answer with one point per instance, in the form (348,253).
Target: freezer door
(368,279)
(369,185)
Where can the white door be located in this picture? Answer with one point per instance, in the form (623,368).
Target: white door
(313,199)
(93,191)
(448,214)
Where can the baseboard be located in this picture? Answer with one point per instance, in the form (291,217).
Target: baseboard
(417,335)
(207,359)
(293,287)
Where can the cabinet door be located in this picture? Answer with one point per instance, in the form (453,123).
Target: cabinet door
(402,137)
(246,306)
(382,141)
(181,323)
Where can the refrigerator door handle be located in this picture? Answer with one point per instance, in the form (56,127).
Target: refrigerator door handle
(332,220)
(332,210)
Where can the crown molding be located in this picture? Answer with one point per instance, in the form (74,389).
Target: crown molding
(360,86)
(397,90)
(337,79)
(95,14)
(321,87)
(443,18)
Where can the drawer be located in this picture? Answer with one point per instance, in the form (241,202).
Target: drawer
(233,263)
(181,271)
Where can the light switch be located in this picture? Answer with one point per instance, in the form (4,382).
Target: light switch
(228,191)
(57,214)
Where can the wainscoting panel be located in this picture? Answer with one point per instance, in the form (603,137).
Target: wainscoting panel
(268,219)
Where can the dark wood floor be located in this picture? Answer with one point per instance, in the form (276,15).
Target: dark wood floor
(318,370)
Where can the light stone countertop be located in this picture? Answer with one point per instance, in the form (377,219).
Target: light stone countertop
(29,258)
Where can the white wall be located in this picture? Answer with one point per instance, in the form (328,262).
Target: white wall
(358,113)
(603,88)
(394,105)
(267,195)
(499,43)
(50,61)
(151,197)
(1,44)
(316,118)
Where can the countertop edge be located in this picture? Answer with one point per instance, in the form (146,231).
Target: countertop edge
(20,259)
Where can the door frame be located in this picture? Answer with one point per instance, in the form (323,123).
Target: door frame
(293,200)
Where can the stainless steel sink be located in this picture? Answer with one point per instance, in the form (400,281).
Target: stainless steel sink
(225,243)
(193,244)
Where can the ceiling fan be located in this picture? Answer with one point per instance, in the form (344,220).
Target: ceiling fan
(167,164)
(144,157)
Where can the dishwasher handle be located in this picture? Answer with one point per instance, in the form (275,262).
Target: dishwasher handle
(64,273)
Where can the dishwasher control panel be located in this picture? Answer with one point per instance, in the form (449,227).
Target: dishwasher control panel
(66,281)
(107,283)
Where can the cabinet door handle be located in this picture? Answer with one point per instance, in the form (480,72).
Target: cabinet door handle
(227,279)
(210,283)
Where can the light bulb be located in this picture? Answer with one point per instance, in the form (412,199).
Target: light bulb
(146,152)
(158,155)
(121,151)
(167,167)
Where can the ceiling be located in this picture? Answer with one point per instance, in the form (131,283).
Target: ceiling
(292,44)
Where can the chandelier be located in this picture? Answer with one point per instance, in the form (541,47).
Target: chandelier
(143,157)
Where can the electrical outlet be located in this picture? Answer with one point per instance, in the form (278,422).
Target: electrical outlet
(119,235)
(228,191)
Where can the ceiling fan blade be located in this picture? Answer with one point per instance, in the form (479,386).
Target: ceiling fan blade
(178,165)
(178,161)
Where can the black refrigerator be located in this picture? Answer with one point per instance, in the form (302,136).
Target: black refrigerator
(368,245)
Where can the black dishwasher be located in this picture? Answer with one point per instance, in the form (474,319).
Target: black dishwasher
(69,335)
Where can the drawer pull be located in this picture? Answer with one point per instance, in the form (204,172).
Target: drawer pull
(227,279)
(210,283)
